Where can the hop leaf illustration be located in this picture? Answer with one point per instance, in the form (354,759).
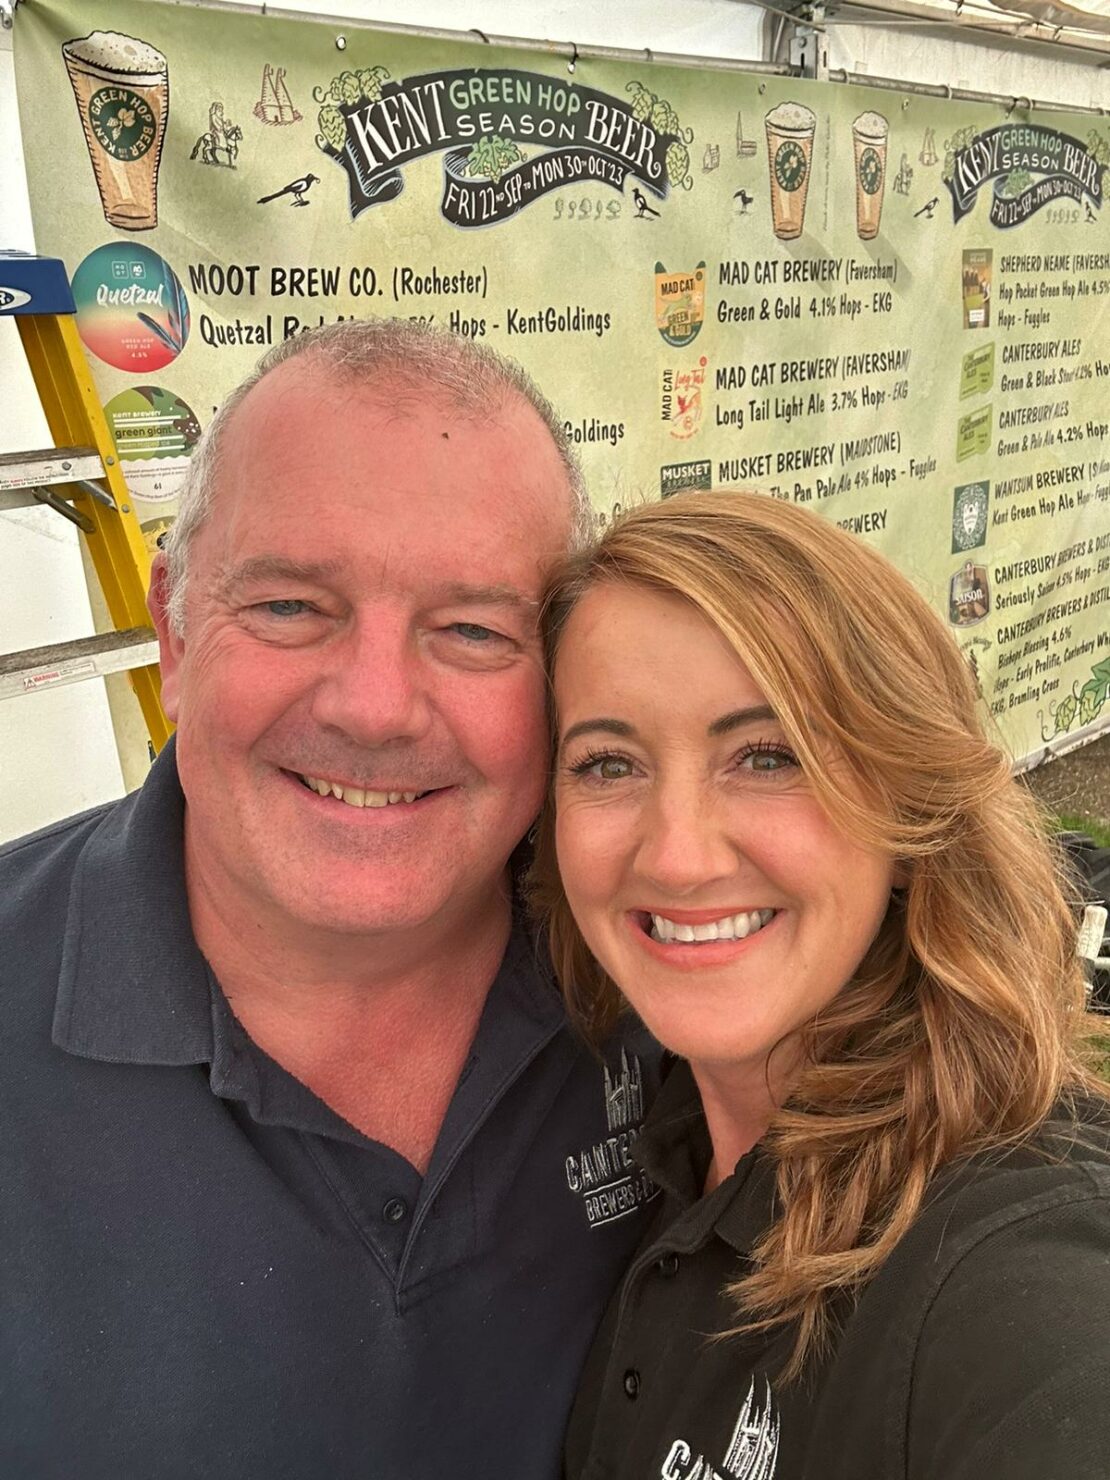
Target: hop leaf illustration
(1065,714)
(664,119)
(1090,701)
(332,127)
(1098,146)
(1016,182)
(370,81)
(642,101)
(491,156)
(678,165)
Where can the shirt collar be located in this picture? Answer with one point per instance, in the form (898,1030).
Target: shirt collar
(133,984)
(674,1149)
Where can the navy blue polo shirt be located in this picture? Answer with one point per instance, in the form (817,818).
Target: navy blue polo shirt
(205,1271)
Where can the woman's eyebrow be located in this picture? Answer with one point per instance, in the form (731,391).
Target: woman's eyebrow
(738,717)
(734,720)
(598,726)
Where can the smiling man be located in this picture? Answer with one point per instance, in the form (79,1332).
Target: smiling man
(305,1173)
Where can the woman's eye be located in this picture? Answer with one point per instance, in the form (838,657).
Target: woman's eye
(767,759)
(603,767)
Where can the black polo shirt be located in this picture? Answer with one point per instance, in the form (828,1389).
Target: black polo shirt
(205,1272)
(981,1351)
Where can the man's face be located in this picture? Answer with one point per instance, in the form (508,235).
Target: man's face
(358,688)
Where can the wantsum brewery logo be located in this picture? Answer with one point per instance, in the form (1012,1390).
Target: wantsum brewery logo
(488,125)
(1028,165)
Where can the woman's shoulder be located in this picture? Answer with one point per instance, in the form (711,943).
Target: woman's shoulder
(1044,1190)
(983,1338)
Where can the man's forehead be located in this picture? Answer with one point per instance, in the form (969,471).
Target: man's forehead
(394,393)
(299,421)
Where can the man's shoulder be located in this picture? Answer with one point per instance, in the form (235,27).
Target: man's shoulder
(33,867)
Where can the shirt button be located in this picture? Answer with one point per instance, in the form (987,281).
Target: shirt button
(668,1265)
(395,1210)
(632,1383)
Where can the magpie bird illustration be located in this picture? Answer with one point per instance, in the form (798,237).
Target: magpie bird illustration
(642,207)
(745,200)
(1091,217)
(295,188)
(928,208)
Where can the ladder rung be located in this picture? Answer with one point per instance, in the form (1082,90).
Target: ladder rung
(51,465)
(70,662)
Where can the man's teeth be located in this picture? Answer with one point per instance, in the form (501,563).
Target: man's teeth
(357,796)
(729,927)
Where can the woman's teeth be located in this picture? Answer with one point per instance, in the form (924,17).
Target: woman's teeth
(729,927)
(357,796)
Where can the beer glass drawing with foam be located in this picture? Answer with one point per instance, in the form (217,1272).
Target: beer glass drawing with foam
(121,86)
(790,129)
(870,132)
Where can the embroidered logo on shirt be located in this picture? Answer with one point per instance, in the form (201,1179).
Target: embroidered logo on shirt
(604,1175)
(752,1452)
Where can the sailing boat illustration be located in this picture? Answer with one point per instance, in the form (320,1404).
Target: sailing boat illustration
(928,155)
(275,106)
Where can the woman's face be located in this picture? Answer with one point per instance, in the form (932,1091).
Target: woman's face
(703,874)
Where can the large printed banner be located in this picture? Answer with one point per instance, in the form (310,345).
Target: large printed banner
(891,309)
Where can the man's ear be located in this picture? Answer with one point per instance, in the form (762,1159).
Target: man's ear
(171,647)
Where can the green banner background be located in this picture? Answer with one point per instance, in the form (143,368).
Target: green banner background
(890,308)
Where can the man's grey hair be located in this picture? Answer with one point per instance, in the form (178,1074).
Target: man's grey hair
(470,377)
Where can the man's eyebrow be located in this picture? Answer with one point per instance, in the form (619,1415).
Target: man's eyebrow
(461,594)
(276,568)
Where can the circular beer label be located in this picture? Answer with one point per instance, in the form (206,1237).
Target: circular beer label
(870,171)
(122,121)
(790,166)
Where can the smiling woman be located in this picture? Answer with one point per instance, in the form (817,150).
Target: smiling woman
(778,832)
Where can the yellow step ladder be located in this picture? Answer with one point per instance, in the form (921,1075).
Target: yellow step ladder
(80,478)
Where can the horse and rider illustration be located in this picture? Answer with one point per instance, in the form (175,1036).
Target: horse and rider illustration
(223,137)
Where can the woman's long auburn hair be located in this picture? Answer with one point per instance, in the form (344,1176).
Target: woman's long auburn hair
(962,1026)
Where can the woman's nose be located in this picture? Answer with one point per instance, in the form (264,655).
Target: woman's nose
(683,845)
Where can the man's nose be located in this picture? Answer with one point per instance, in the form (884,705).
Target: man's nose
(683,844)
(374,685)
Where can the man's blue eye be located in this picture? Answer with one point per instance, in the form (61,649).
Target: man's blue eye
(291,608)
(472,631)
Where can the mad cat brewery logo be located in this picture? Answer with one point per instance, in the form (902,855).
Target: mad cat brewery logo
(1027,165)
(680,403)
(604,1175)
(679,304)
(508,138)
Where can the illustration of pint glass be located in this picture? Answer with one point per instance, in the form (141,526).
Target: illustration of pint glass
(790,129)
(122,91)
(869,138)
